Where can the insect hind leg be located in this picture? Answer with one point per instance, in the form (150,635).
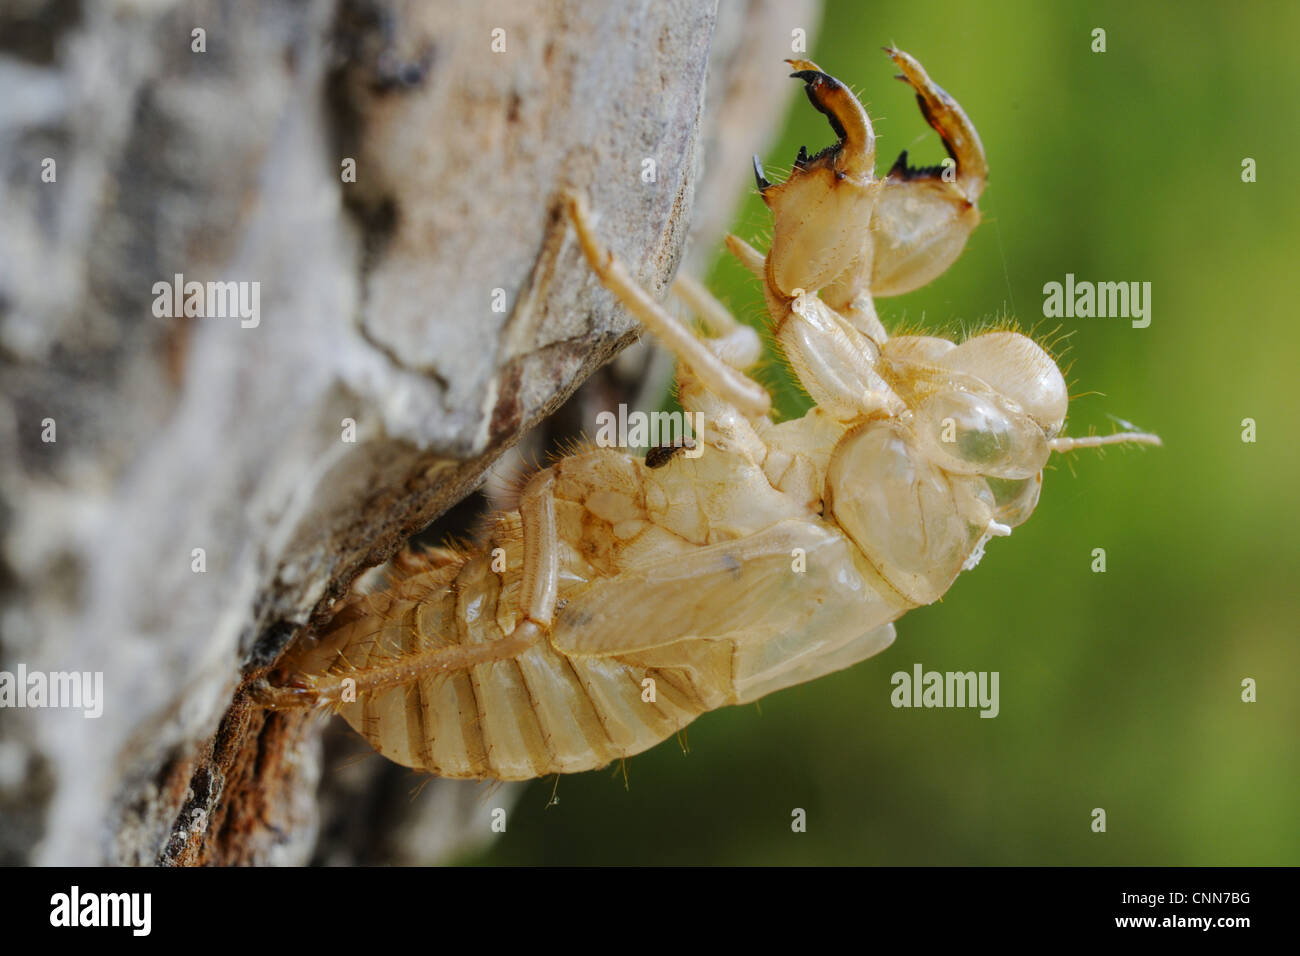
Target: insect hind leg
(731,340)
(712,366)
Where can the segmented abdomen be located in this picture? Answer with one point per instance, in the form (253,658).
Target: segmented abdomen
(526,716)
(512,713)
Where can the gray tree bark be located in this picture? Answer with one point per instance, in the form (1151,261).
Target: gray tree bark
(182,495)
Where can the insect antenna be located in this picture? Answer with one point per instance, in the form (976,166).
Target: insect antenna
(1065,443)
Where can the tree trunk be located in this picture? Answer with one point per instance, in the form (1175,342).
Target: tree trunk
(182,494)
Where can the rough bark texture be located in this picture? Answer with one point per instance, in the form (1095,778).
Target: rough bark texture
(433,301)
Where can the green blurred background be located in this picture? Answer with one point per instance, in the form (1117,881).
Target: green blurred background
(1119,690)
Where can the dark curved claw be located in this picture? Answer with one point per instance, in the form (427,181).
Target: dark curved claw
(758,174)
(954,127)
(855,151)
(817,84)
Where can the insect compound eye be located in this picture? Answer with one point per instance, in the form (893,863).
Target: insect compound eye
(1014,500)
(915,522)
(979,433)
(1014,366)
